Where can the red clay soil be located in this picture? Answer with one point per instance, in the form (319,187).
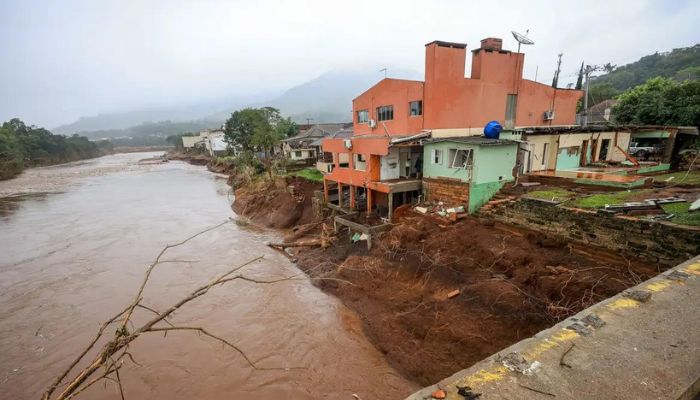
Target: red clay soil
(282,203)
(513,283)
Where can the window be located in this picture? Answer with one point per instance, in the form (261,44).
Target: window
(362,116)
(385,113)
(460,158)
(359,162)
(415,108)
(544,153)
(297,154)
(437,157)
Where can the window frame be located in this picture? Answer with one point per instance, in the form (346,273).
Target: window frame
(468,161)
(365,113)
(385,113)
(436,157)
(419,107)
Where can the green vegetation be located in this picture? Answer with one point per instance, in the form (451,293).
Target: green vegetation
(259,129)
(693,178)
(660,101)
(601,199)
(148,133)
(681,214)
(551,194)
(310,173)
(23,146)
(679,64)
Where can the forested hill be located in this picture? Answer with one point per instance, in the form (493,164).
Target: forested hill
(23,146)
(679,64)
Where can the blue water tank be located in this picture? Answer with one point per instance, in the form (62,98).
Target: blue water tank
(492,130)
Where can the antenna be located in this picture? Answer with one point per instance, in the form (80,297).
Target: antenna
(383,70)
(522,39)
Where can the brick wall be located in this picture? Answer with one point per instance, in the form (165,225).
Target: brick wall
(451,192)
(661,242)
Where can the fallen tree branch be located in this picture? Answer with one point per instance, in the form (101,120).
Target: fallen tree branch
(110,356)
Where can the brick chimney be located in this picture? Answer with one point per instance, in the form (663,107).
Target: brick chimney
(494,44)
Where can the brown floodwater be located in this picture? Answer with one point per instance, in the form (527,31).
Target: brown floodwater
(74,243)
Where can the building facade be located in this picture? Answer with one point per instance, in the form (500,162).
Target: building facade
(382,163)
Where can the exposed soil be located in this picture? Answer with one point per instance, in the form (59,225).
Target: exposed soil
(513,283)
(282,203)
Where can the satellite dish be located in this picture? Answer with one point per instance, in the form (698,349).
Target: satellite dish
(522,39)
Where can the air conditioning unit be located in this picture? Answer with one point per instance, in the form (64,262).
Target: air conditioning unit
(372,123)
(548,115)
(348,143)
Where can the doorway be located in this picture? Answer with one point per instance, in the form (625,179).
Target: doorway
(604,148)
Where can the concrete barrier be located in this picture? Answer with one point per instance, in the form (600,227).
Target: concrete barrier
(640,344)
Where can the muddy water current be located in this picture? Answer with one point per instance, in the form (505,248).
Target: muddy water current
(74,243)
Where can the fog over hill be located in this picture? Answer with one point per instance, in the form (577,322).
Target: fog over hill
(327,98)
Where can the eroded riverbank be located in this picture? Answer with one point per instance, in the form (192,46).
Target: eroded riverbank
(72,258)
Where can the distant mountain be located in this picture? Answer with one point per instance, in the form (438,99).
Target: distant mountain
(180,113)
(680,64)
(328,98)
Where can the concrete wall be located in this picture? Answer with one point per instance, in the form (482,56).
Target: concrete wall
(570,140)
(494,163)
(443,170)
(661,242)
(389,92)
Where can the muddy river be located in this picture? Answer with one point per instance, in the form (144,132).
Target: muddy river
(74,243)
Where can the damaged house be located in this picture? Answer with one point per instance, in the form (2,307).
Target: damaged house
(305,147)
(381,166)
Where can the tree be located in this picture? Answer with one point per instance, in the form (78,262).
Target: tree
(267,134)
(287,128)
(240,127)
(579,81)
(660,101)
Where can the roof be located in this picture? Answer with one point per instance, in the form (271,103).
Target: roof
(555,130)
(317,131)
(448,44)
(345,133)
(475,140)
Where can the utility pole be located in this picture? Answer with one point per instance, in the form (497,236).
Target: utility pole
(308,121)
(587,74)
(555,82)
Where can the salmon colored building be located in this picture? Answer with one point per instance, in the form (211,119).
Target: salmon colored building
(380,166)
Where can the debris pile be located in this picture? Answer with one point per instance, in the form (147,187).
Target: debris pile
(438,208)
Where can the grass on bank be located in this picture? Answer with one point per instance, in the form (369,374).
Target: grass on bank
(601,199)
(310,173)
(551,194)
(681,214)
(693,178)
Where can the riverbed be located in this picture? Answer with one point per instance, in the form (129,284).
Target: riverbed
(74,243)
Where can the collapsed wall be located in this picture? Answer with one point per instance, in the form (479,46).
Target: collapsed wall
(652,241)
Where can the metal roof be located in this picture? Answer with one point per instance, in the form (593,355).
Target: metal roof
(475,140)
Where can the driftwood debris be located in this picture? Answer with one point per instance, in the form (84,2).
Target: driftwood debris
(108,359)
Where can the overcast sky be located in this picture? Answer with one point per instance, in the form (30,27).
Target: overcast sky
(63,59)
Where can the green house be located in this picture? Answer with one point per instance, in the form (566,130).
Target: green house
(467,170)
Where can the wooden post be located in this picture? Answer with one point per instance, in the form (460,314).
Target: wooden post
(340,195)
(352,197)
(391,205)
(325,190)
(369,200)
